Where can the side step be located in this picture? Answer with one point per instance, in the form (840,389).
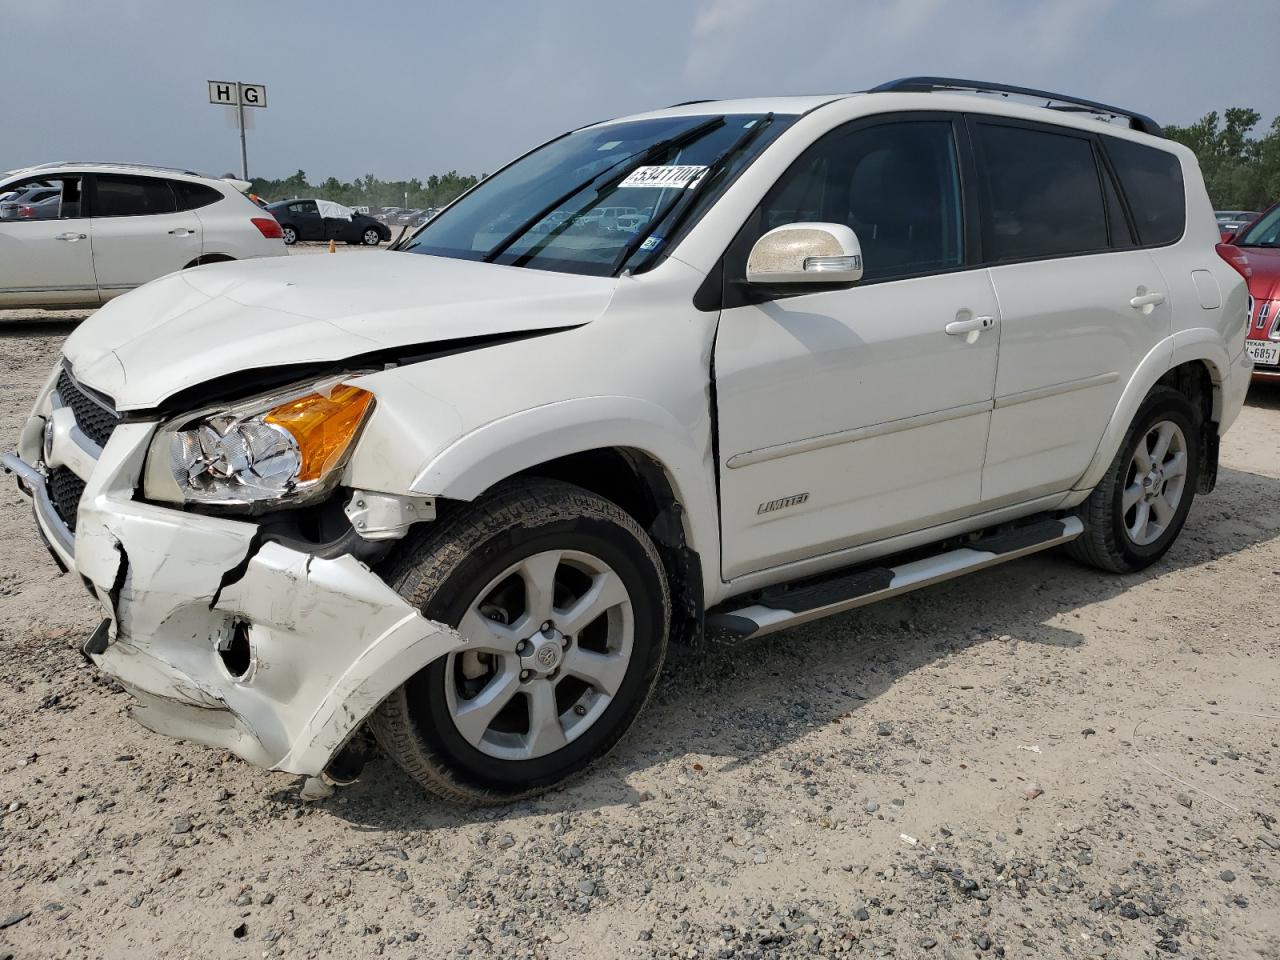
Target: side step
(778,608)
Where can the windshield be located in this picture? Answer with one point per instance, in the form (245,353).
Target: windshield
(1264,233)
(600,199)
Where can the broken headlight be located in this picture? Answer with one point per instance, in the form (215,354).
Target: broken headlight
(288,447)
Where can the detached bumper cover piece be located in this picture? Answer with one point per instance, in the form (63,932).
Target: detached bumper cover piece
(328,640)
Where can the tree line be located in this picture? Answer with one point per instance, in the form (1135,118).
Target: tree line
(1241,170)
(369,191)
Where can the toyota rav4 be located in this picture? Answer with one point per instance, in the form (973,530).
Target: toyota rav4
(463,494)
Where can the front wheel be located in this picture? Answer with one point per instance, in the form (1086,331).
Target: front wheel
(1138,508)
(563,599)
(372,238)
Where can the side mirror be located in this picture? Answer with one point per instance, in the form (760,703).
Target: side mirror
(811,253)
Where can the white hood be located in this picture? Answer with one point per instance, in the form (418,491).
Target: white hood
(196,325)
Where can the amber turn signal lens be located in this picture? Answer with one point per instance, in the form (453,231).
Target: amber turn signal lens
(323,426)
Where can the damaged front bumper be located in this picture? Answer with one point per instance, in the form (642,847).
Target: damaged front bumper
(262,649)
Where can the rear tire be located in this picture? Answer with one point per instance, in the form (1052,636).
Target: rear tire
(544,718)
(1137,510)
(289,235)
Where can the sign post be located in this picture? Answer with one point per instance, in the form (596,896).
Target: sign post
(239,95)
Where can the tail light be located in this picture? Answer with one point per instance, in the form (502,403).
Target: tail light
(269,227)
(1237,258)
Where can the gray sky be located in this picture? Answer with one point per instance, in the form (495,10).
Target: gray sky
(402,88)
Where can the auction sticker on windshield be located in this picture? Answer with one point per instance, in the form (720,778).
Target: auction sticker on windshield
(678,176)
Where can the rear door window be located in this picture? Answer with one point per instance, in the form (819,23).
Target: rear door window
(1152,183)
(122,196)
(1042,193)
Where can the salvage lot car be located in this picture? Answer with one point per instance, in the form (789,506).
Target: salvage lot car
(100,229)
(326,220)
(467,492)
(1255,252)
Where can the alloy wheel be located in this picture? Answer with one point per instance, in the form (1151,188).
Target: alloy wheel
(550,644)
(1154,483)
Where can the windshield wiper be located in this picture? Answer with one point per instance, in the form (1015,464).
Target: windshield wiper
(684,199)
(662,146)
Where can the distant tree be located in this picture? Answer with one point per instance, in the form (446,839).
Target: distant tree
(1241,172)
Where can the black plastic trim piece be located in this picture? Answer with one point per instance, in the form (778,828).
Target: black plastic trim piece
(1137,121)
(1019,538)
(827,592)
(730,624)
(97,641)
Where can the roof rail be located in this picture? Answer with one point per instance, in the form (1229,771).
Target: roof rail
(116,165)
(1137,121)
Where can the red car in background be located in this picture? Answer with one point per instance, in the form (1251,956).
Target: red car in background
(1255,252)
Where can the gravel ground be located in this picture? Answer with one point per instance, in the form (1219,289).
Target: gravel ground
(1036,761)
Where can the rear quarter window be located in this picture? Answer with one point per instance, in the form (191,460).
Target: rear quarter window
(1152,183)
(192,196)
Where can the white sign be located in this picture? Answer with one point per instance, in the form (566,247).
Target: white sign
(678,176)
(231,94)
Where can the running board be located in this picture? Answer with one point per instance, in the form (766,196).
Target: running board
(778,608)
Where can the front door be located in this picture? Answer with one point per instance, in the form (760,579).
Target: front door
(139,233)
(852,415)
(45,253)
(306,214)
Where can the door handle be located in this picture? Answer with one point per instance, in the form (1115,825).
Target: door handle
(1144,300)
(71,237)
(181,232)
(958,328)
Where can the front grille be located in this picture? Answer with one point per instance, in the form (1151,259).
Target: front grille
(94,417)
(65,489)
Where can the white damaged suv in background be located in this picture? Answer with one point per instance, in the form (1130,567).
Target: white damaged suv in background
(464,493)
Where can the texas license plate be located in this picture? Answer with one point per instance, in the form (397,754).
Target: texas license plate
(1263,354)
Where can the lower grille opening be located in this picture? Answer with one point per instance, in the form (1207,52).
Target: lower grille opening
(65,489)
(235,651)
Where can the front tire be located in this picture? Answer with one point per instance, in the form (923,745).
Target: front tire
(371,237)
(563,597)
(1139,507)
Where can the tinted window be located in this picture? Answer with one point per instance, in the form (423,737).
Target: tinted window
(897,185)
(191,196)
(132,196)
(41,199)
(1152,182)
(1043,196)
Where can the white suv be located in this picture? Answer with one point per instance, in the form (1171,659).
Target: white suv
(78,234)
(466,492)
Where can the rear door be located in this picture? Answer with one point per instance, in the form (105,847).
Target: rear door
(1080,303)
(45,251)
(138,231)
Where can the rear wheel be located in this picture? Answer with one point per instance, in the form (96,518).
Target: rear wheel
(1137,510)
(289,234)
(562,597)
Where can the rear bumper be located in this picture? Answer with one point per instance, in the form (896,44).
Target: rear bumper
(327,640)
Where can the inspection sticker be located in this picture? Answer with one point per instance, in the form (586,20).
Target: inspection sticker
(678,176)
